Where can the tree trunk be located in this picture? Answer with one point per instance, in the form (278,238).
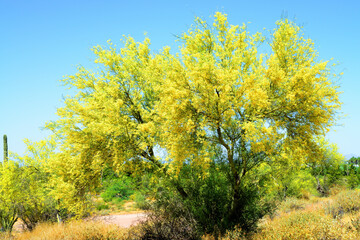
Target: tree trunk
(235,210)
(320,188)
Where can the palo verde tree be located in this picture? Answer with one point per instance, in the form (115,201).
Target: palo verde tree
(221,91)
(25,187)
(218,93)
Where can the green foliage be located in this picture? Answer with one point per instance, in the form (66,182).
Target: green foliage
(315,175)
(118,188)
(296,183)
(140,200)
(352,172)
(101,206)
(209,197)
(24,185)
(353,180)
(324,165)
(251,208)
(10,194)
(167,219)
(8,216)
(354,161)
(37,210)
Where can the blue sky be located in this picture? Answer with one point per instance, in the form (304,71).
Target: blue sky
(42,41)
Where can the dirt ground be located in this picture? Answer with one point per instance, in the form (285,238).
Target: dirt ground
(122,220)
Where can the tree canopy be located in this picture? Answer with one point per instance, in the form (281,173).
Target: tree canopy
(218,96)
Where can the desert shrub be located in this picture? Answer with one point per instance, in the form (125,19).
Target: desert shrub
(8,216)
(355,222)
(167,218)
(353,180)
(291,204)
(237,233)
(75,230)
(140,200)
(34,212)
(210,200)
(121,187)
(297,183)
(24,194)
(344,202)
(101,206)
(250,210)
(25,188)
(337,188)
(352,172)
(10,194)
(304,225)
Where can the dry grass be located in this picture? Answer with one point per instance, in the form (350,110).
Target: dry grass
(75,230)
(343,203)
(336,217)
(237,234)
(306,224)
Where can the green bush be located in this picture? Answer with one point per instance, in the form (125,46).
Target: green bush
(353,180)
(33,212)
(102,206)
(8,217)
(167,218)
(24,193)
(121,187)
(140,200)
(208,200)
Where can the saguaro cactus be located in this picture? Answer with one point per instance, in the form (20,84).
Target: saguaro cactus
(6,153)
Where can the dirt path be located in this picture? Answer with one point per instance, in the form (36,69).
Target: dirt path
(123,220)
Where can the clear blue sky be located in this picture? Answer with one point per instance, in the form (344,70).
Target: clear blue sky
(42,41)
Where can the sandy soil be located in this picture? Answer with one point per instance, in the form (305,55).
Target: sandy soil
(123,220)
